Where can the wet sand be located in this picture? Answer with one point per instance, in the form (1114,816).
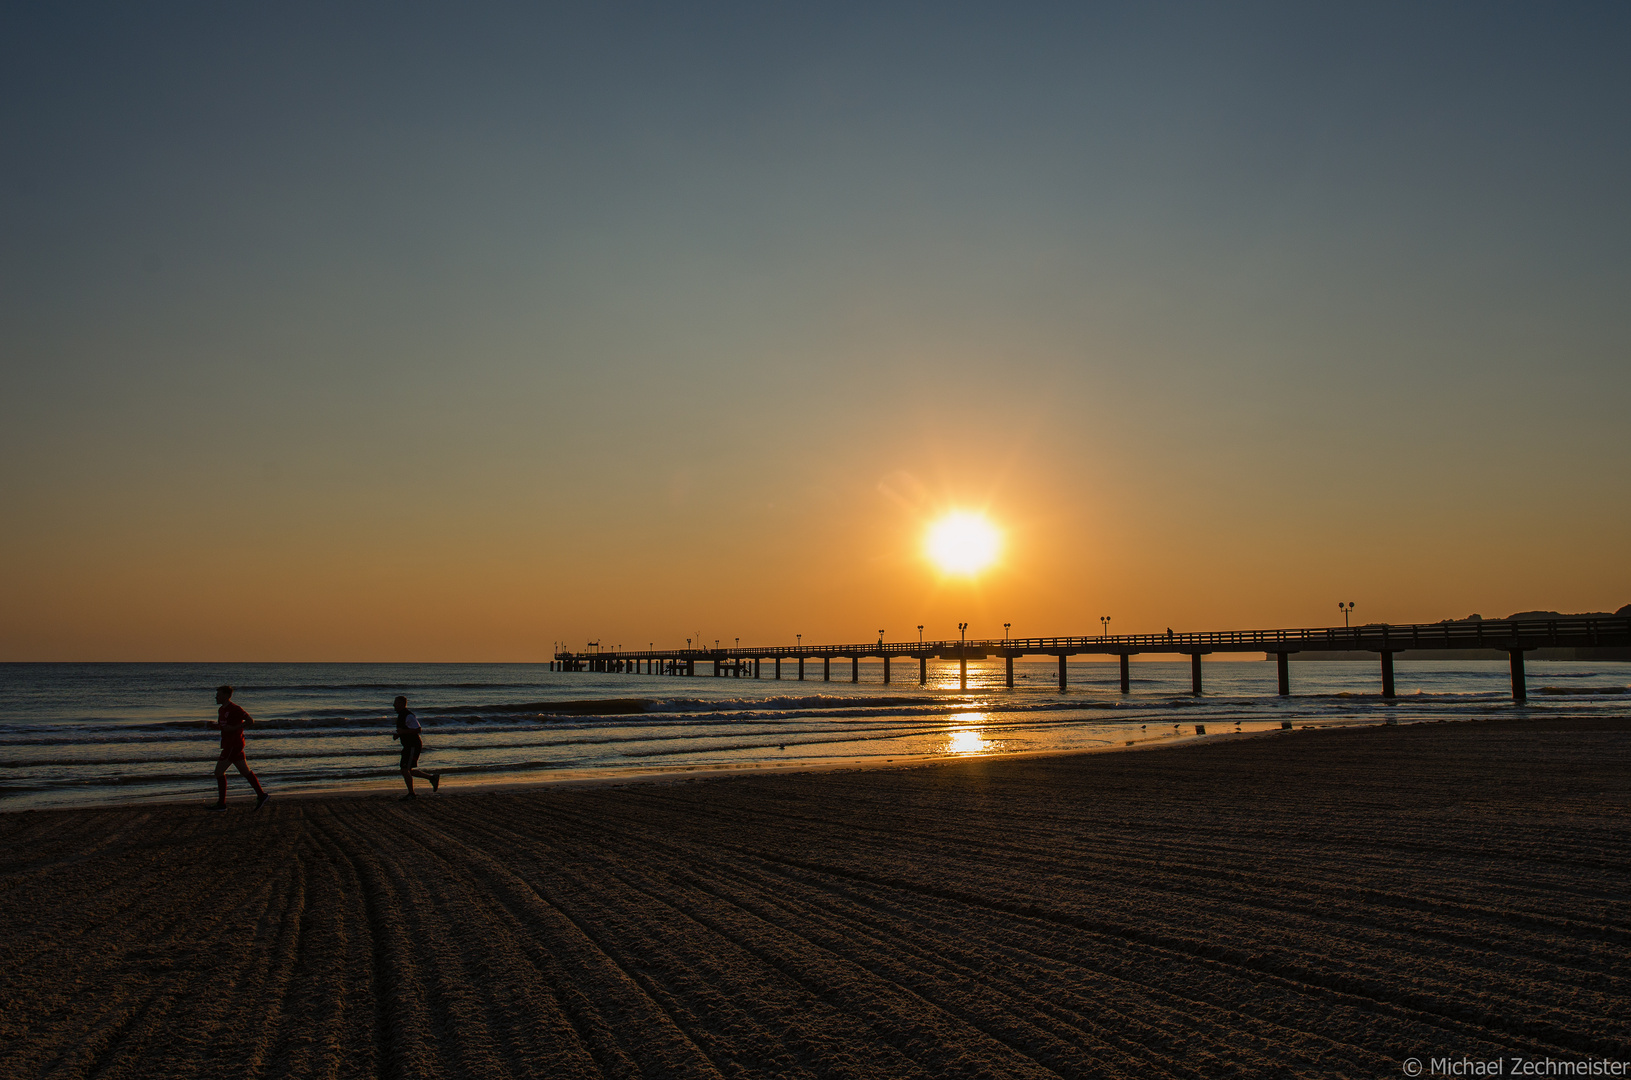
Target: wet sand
(1315,903)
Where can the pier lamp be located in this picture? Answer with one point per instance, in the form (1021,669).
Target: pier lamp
(799,641)
(1005,627)
(880,637)
(962,633)
(1345,609)
(1104,621)
(920,634)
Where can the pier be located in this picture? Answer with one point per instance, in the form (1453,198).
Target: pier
(1515,638)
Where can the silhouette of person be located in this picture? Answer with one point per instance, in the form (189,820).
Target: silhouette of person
(230,721)
(407,730)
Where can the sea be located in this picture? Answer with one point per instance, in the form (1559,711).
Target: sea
(101,734)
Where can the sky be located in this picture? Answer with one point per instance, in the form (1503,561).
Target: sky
(449,332)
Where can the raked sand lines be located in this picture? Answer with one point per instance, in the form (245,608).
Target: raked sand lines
(1306,904)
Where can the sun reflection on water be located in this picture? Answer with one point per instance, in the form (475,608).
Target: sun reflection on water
(968,740)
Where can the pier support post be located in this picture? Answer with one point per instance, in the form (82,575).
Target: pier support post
(1061,673)
(801,669)
(1126,675)
(1520,691)
(1282,668)
(886,669)
(1195,673)
(778,669)
(962,664)
(1387,673)
(855,669)
(923,671)
(1010,672)
(691,667)
(826,669)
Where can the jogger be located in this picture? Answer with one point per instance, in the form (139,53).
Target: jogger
(407,730)
(230,722)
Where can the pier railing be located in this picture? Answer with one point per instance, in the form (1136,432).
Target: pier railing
(1504,635)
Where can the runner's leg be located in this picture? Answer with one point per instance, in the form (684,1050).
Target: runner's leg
(410,758)
(243,767)
(221,780)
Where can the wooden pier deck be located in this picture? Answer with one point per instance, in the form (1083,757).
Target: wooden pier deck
(1515,638)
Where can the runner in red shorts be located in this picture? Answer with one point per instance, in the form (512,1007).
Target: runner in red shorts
(230,722)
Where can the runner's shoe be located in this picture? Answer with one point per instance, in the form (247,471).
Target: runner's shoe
(260,800)
(409,795)
(436,781)
(219,806)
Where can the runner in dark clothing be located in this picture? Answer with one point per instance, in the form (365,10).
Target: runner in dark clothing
(407,730)
(230,721)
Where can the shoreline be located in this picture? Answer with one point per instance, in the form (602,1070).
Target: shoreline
(598,777)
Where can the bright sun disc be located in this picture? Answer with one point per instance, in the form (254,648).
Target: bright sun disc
(962,543)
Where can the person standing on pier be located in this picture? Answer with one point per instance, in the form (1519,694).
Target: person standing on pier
(407,731)
(230,721)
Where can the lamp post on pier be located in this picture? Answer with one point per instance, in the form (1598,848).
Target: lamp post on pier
(1104,621)
(1345,609)
(962,653)
(1005,627)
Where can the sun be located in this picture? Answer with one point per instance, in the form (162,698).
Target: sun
(962,543)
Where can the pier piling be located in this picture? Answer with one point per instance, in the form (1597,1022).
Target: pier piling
(1195,673)
(1126,675)
(1282,666)
(1387,673)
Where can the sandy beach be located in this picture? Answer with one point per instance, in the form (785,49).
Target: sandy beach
(1317,903)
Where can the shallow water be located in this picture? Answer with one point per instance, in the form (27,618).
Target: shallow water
(82,734)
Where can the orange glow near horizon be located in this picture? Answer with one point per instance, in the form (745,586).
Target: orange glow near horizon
(962,543)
